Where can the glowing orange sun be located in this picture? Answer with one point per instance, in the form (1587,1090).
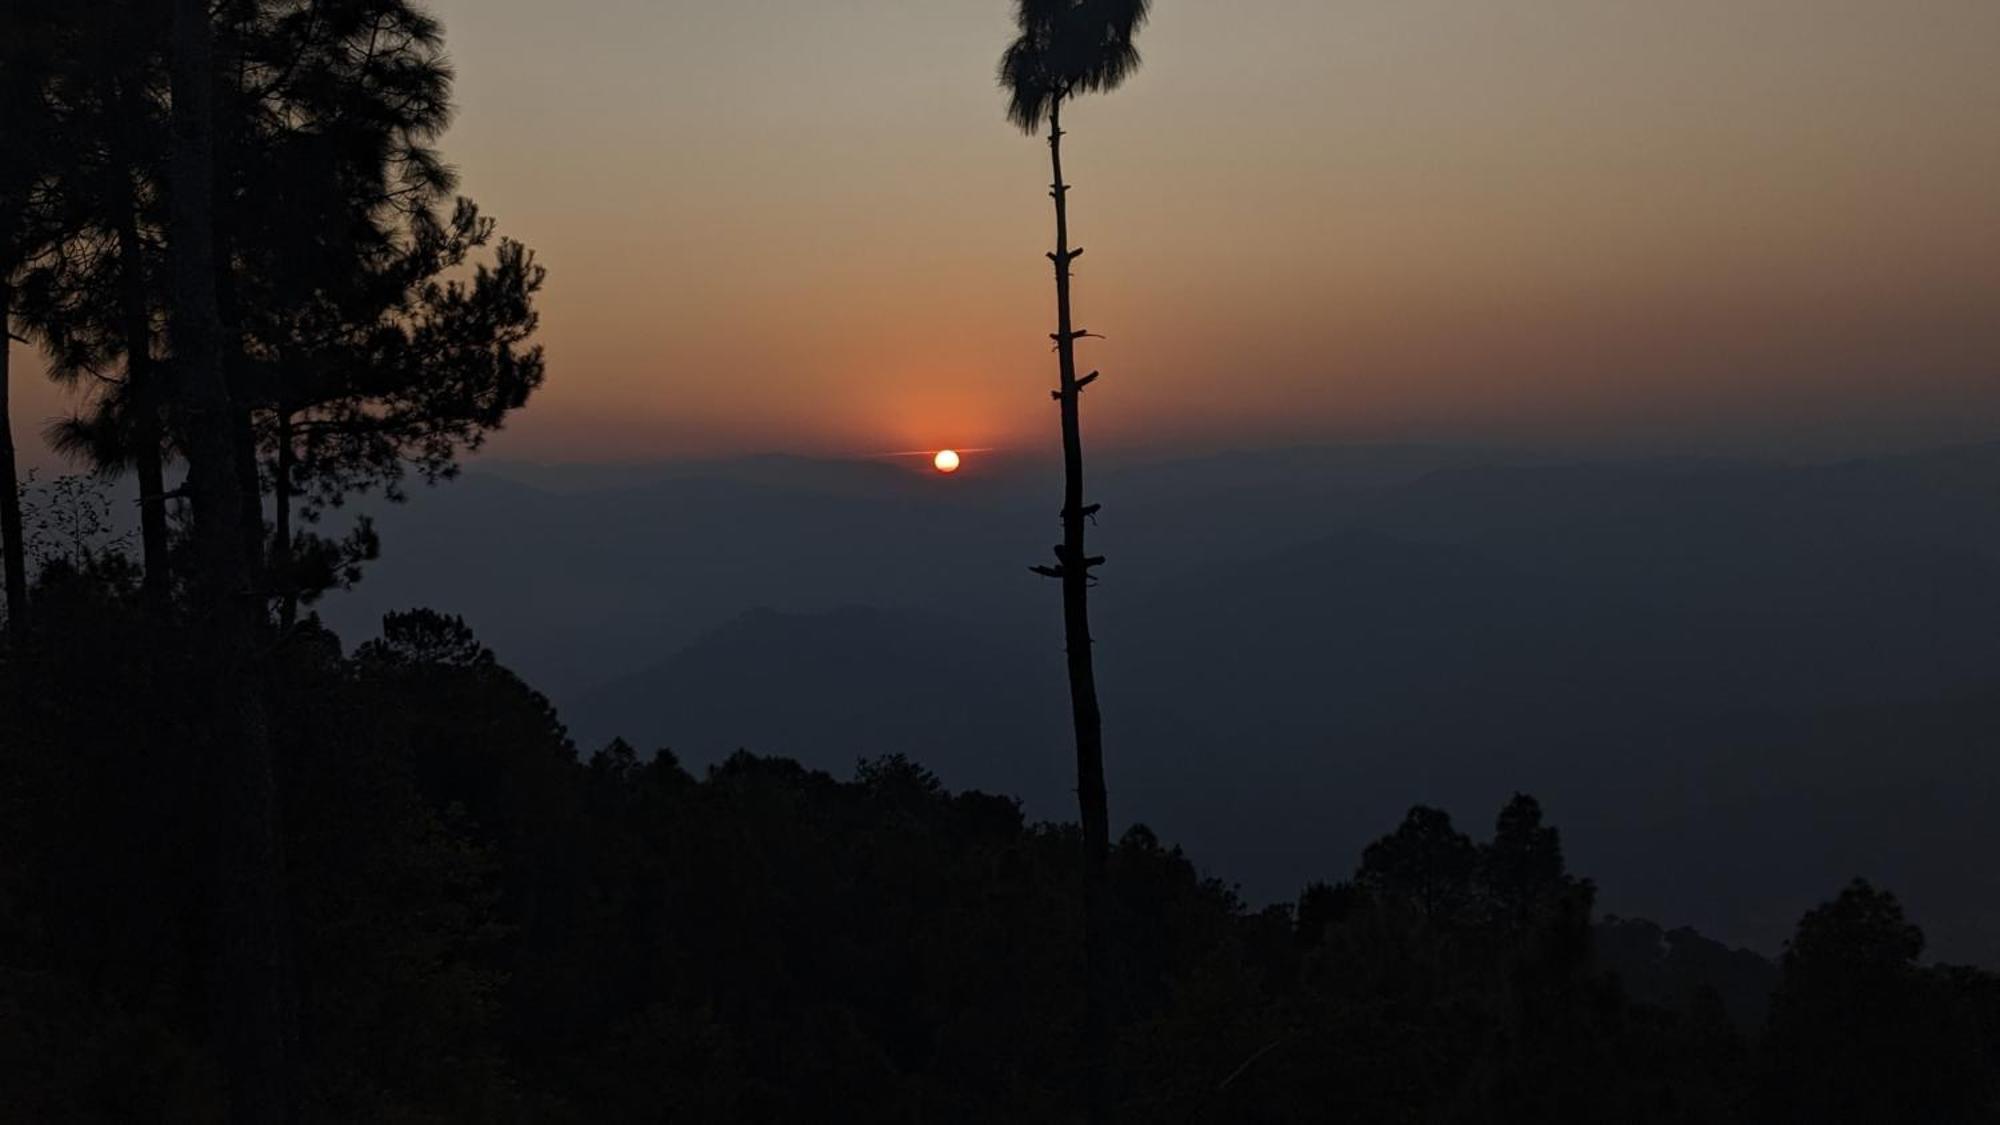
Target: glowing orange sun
(946,461)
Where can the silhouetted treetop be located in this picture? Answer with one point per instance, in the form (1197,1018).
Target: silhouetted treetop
(425,637)
(1862,931)
(1067,47)
(1424,862)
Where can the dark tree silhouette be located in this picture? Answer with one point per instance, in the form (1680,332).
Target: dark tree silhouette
(490,928)
(1860,1032)
(134,167)
(1524,862)
(334,177)
(363,342)
(1424,862)
(406,379)
(93,305)
(27,33)
(367,349)
(1067,48)
(13,553)
(250,983)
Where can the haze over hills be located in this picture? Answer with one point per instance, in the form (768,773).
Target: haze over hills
(1734,684)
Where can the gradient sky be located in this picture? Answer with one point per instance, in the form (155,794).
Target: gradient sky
(803,225)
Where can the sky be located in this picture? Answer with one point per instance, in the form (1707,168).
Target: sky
(802,226)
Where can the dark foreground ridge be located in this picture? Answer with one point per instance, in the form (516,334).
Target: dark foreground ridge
(490,927)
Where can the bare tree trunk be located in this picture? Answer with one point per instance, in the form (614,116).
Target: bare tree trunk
(1073,568)
(13,553)
(249,985)
(228,62)
(142,389)
(281,525)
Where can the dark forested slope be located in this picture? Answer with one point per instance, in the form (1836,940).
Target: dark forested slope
(489,926)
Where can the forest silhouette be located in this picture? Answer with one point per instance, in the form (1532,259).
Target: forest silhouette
(253,871)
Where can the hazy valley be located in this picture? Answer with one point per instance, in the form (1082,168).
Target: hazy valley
(1734,683)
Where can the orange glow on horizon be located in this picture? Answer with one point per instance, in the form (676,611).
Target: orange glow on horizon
(1661,227)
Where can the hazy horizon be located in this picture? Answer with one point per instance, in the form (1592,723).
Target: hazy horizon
(1677,659)
(1711,228)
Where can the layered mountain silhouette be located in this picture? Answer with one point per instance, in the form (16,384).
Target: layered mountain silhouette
(1686,659)
(844,685)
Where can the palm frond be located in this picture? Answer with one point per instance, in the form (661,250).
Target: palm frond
(1068,47)
(1029,91)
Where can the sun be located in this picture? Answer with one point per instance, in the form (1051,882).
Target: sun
(946,461)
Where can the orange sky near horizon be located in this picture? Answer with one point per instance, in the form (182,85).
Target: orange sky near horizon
(802,226)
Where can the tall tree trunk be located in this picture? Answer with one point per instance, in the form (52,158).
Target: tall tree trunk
(1074,565)
(142,387)
(228,56)
(250,487)
(13,553)
(280,565)
(249,987)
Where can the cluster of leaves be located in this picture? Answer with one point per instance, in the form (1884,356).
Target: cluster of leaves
(69,521)
(1065,48)
(490,927)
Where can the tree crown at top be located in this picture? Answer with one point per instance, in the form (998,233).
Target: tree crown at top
(1067,47)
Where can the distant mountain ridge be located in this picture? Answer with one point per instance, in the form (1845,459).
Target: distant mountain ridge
(1296,645)
(847,684)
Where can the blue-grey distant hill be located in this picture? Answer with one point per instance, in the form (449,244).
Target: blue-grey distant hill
(1733,683)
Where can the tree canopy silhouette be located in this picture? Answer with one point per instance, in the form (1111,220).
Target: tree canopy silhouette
(492,926)
(33,35)
(366,341)
(229,226)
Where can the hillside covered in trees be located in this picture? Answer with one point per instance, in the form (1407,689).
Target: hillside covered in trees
(489,925)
